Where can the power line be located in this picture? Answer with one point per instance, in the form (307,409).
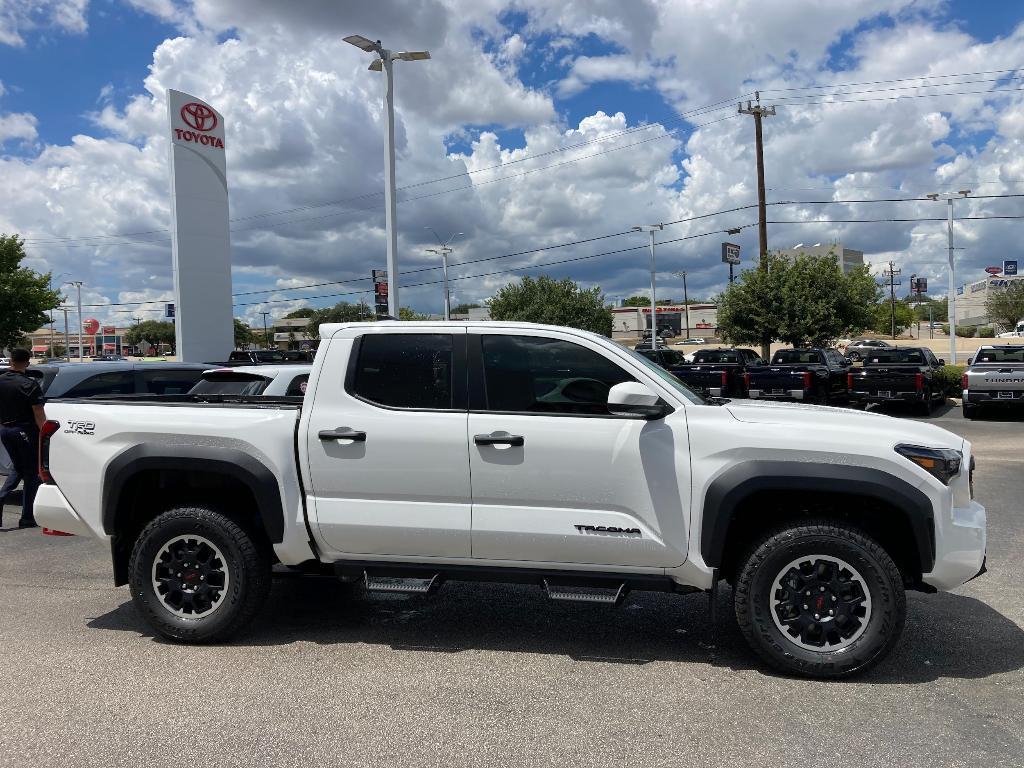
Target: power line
(894,80)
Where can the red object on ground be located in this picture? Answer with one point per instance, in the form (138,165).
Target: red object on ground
(51,532)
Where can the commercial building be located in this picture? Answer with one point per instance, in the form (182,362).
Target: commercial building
(288,333)
(108,340)
(848,258)
(630,322)
(971,298)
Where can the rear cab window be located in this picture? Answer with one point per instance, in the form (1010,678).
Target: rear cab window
(894,356)
(229,383)
(796,357)
(1000,355)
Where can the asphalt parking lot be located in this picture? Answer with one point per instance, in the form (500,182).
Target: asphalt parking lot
(491,675)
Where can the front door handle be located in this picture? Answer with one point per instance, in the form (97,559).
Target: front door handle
(498,439)
(342,433)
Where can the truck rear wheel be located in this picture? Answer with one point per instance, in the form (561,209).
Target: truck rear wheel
(197,576)
(820,599)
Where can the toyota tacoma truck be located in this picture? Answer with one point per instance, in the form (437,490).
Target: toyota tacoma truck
(805,375)
(898,374)
(430,452)
(995,378)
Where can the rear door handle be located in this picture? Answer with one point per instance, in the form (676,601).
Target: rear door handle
(498,440)
(342,433)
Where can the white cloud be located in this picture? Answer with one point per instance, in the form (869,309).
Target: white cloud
(17,125)
(586,70)
(18,17)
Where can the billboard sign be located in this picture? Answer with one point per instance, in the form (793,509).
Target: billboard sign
(994,270)
(380,292)
(921,285)
(1009,266)
(730,253)
(169,311)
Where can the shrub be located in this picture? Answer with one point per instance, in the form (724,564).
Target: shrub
(966,331)
(987,333)
(948,377)
(945,328)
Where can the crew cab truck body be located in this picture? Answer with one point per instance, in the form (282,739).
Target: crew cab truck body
(719,372)
(425,452)
(898,374)
(995,378)
(804,375)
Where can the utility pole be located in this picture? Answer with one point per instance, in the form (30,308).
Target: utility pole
(652,228)
(686,300)
(385,62)
(892,273)
(758,112)
(67,346)
(266,333)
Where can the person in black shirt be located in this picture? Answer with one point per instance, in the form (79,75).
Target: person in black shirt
(21,417)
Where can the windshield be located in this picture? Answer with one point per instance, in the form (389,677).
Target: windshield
(231,385)
(1000,355)
(688,394)
(895,356)
(715,356)
(788,356)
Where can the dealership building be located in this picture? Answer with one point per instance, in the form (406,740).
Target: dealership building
(630,322)
(971,298)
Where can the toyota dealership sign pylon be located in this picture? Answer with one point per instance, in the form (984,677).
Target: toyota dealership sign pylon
(201,243)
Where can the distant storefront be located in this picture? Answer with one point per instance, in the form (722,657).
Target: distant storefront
(629,322)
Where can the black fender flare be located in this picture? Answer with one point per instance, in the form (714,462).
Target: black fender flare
(728,490)
(229,462)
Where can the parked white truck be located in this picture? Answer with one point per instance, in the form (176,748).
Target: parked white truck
(425,452)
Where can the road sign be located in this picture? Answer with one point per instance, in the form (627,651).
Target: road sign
(994,270)
(919,285)
(169,311)
(730,253)
(380,292)
(1009,267)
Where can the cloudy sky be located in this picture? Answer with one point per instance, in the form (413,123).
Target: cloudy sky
(537,124)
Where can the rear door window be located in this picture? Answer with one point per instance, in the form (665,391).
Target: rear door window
(109,383)
(533,374)
(169,381)
(404,370)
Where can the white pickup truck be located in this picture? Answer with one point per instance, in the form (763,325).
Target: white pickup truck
(425,452)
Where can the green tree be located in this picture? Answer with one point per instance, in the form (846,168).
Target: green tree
(555,302)
(645,301)
(342,312)
(25,294)
(939,309)
(407,313)
(156,332)
(882,312)
(806,300)
(243,334)
(1005,308)
(302,312)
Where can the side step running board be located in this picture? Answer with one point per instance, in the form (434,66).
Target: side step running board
(570,594)
(408,585)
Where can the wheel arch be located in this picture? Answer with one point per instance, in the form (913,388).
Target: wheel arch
(730,501)
(243,480)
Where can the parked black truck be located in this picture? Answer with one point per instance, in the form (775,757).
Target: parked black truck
(898,374)
(719,372)
(805,375)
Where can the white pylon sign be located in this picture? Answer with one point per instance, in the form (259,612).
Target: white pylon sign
(200,241)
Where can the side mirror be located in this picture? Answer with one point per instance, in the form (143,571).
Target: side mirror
(631,398)
(942,361)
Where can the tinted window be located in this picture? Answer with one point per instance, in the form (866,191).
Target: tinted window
(788,356)
(715,356)
(227,384)
(112,383)
(895,356)
(531,374)
(407,370)
(169,382)
(1001,355)
(297,387)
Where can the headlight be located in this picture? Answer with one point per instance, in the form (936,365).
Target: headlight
(943,463)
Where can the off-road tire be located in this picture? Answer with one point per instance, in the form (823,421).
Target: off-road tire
(767,558)
(928,404)
(246,561)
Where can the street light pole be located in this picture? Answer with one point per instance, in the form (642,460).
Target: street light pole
(78,285)
(385,62)
(67,350)
(266,333)
(444,250)
(686,301)
(951,300)
(651,229)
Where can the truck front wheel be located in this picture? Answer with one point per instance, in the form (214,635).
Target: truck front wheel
(820,599)
(197,576)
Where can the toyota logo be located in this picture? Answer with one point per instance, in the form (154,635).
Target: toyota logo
(199,116)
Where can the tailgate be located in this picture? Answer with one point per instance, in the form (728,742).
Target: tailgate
(773,377)
(702,377)
(996,379)
(886,380)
